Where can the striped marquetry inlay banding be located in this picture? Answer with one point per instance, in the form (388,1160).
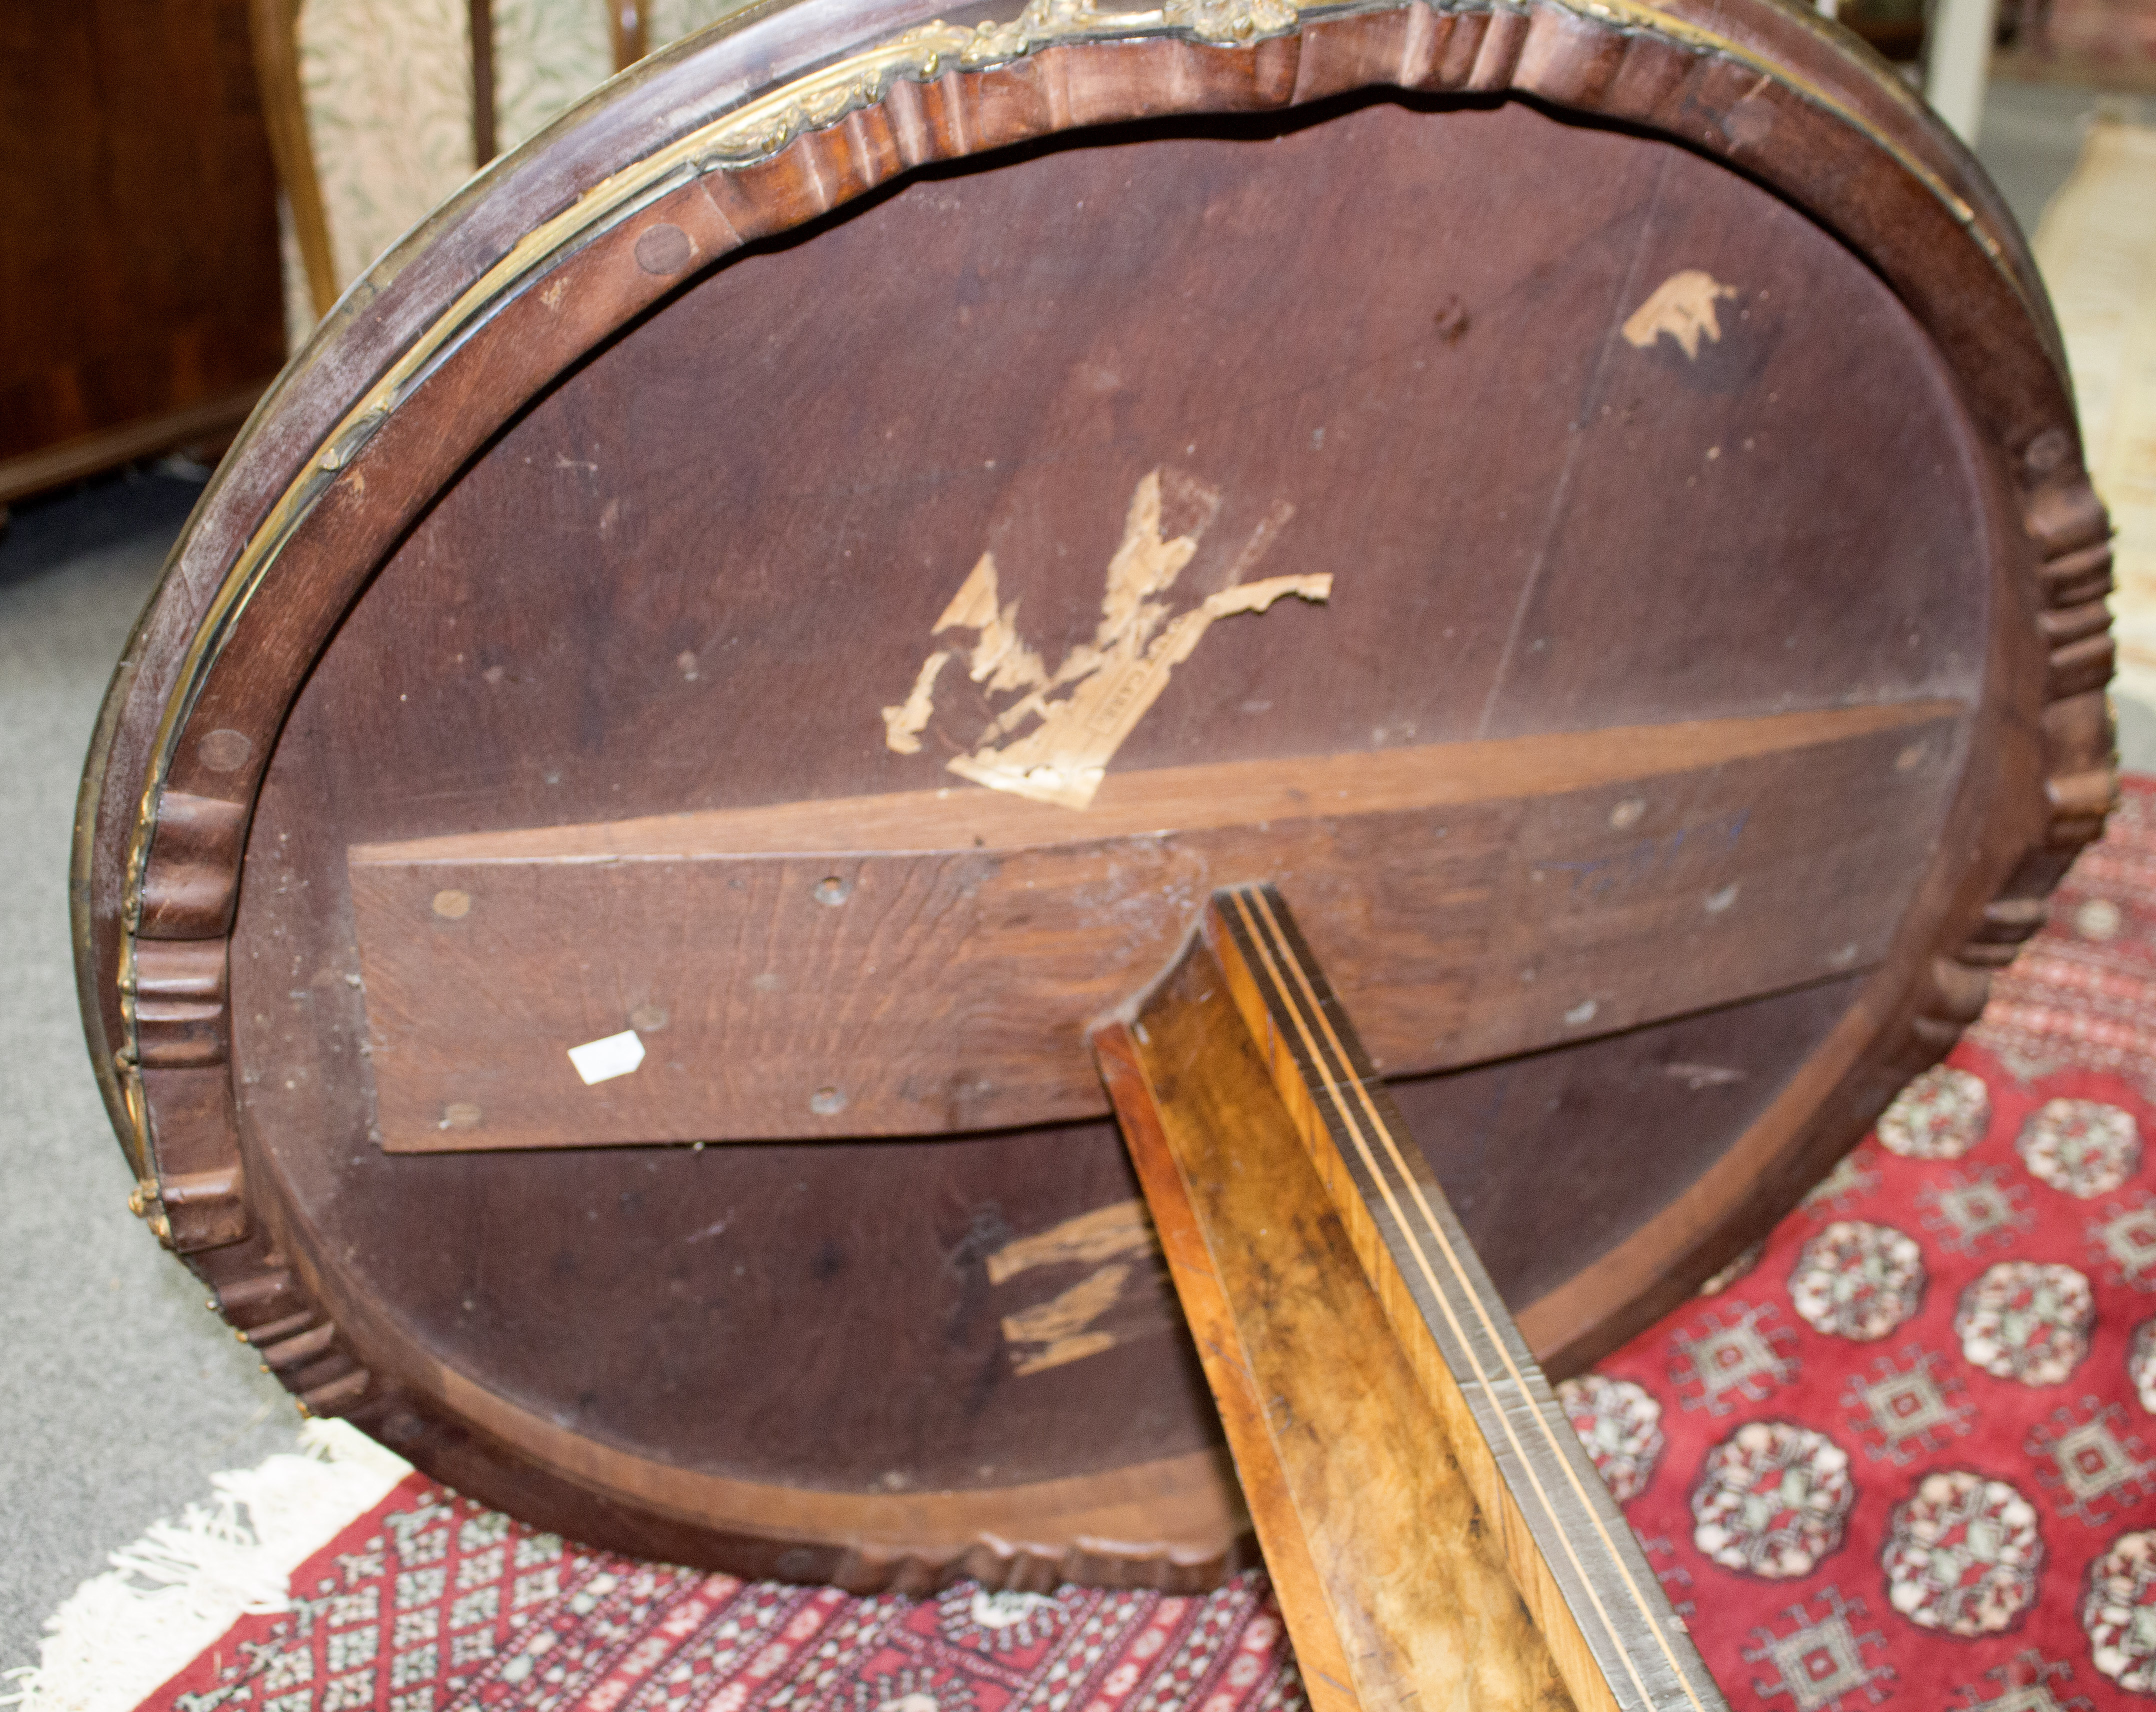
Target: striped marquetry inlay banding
(1615,1639)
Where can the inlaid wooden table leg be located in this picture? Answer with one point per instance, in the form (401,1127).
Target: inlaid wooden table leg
(1418,1492)
(1394,1593)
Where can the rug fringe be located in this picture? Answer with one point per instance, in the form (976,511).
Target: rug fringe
(173,1591)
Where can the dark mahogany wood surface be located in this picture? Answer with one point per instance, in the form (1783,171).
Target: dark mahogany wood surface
(592,553)
(139,282)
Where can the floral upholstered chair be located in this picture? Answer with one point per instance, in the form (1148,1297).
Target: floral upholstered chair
(379,109)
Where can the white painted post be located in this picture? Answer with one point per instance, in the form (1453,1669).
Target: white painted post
(1959,63)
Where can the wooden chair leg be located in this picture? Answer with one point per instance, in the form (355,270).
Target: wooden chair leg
(483,116)
(1419,1493)
(275,25)
(628,31)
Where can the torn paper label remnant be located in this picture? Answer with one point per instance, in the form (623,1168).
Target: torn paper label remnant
(1054,741)
(602,1060)
(903,724)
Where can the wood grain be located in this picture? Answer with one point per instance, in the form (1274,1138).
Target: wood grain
(628,31)
(1609,1626)
(1393,1587)
(945,983)
(275,25)
(212,422)
(479,34)
(1169,800)
(138,241)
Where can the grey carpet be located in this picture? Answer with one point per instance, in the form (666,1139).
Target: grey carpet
(2031,138)
(121,1394)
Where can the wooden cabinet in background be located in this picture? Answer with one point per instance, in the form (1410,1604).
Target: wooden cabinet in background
(139,281)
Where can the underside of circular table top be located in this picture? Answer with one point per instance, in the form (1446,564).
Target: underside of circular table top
(1618,561)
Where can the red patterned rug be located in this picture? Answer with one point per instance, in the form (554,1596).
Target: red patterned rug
(429,1602)
(1905,1456)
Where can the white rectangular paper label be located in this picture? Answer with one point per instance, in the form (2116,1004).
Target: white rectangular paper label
(601,1060)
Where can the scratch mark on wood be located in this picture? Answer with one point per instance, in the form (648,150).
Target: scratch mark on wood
(1122,1227)
(1064,1350)
(1059,1326)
